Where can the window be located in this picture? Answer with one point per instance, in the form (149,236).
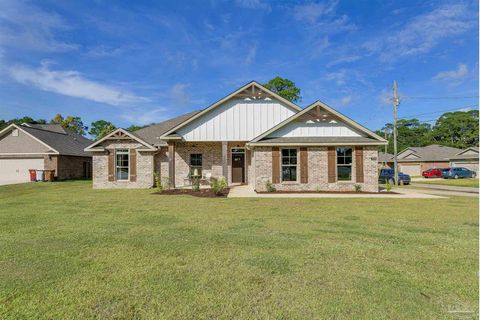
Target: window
(344,164)
(289,164)
(121,164)
(196,163)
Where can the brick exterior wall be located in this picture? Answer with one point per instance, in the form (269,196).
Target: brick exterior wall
(68,167)
(145,166)
(317,171)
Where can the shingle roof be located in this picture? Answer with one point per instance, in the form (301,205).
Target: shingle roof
(432,152)
(460,155)
(385,157)
(317,140)
(65,141)
(152,133)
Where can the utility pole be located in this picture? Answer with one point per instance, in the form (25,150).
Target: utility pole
(396,102)
(386,146)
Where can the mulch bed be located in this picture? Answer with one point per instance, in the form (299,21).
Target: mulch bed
(202,193)
(327,192)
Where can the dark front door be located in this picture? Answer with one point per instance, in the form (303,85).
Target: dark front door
(238,165)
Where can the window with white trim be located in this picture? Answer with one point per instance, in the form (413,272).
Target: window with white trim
(121,164)
(289,164)
(344,164)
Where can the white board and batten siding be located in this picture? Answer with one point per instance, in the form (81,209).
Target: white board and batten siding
(316,129)
(237,120)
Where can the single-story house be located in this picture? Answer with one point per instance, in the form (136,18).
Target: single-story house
(42,147)
(252,136)
(415,160)
(467,158)
(385,160)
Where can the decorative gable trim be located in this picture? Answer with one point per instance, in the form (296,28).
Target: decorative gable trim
(119,134)
(318,104)
(256,92)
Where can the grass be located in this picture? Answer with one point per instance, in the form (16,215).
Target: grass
(67,251)
(467,182)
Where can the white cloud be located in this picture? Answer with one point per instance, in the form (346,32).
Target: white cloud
(25,26)
(253,4)
(252,53)
(345,101)
(460,73)
(143,118)
(179,96)
(311,12)
(423,32)
(347,59)
(339,76)
(71,83)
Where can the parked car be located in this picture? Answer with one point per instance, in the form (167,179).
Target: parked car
(388,175)
(432,173)
(457,173)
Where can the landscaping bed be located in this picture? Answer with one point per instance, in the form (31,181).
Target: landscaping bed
(202,193)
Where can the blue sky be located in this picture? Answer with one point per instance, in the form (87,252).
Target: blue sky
(138,62)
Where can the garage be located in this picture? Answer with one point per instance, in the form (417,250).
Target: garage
(16,169)
(472,165)
(411,169)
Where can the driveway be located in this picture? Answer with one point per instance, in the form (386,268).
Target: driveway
(246,191)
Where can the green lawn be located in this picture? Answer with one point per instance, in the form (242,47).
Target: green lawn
(471,182)
(67,251)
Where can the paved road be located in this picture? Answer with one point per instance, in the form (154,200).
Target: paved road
(445,187)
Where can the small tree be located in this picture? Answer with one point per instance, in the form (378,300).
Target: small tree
(285,88)
(101,128)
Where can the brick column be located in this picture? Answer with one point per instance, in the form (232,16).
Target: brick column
(171,164)
(224,159)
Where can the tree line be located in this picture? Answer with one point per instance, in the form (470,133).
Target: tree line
(457,129)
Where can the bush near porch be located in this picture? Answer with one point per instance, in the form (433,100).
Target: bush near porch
(67,251)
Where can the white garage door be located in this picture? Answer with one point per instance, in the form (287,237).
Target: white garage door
(412,169)
(15,170)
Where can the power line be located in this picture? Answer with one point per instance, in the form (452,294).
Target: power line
(438,111)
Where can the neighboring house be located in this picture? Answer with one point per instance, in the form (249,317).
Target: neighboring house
(467,158)
(415,160)
(42,147)
(252,136)
(385,160)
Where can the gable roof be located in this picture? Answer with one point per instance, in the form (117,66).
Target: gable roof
(119,133)
(433,152)
(62,141)
(374,138)
(464,155)
(152,133)
(148,136)
(231,95)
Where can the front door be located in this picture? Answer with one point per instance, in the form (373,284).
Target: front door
(238,165)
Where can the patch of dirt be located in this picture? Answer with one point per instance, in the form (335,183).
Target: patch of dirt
(202,193)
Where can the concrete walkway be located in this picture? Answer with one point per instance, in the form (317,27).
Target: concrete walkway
(444,187)
(246,191)
(446,193)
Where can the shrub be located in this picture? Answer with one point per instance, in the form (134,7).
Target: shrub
(196,183)
(388,187)
(358,188)
(269,186)
(158,182)
(218,185)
